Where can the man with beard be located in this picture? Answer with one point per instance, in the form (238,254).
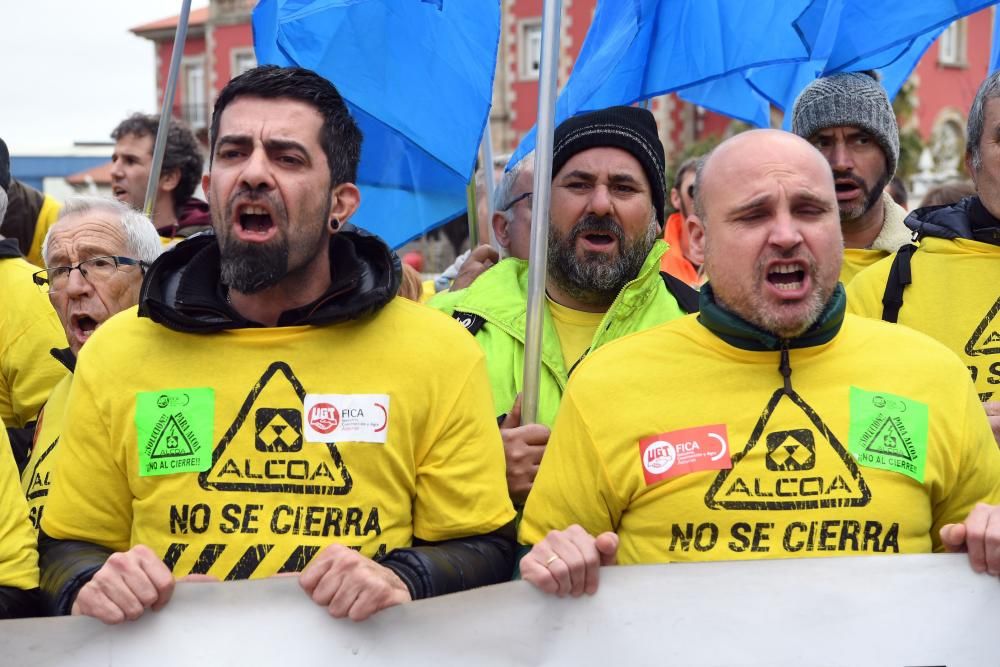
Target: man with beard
(786,429)
(603,277)
(848,117)
(274,408)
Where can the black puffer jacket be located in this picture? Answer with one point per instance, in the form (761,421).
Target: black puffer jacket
(967,219)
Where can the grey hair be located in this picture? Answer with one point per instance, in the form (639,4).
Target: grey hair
(142,241)
(988,90)
(505,190)
(3,203)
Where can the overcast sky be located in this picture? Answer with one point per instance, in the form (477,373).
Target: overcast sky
(72,70)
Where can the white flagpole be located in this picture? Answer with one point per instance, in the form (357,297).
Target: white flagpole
(489,181)
(168,103)
(538,259)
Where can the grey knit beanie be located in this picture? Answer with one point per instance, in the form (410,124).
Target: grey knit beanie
(854,99)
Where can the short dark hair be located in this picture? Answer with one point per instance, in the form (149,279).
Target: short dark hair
(339,136)
(182,151)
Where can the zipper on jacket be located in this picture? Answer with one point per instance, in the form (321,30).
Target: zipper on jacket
(597,335)
(785,368)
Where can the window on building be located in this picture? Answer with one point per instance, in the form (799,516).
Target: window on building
(951,44)
(529,48)
(243,60)
(194,109)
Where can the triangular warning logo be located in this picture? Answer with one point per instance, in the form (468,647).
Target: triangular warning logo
(792,461)
(986,338)
(889,441)
(172,442)
(262,450)
(38,483)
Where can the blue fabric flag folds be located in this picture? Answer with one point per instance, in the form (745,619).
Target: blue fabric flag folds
(417,76)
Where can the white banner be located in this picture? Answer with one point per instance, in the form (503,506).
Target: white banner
(884,611)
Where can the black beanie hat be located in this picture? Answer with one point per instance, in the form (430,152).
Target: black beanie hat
(4,166)
(631,129)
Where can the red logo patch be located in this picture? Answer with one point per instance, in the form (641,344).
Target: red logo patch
(687,450)
(324,418)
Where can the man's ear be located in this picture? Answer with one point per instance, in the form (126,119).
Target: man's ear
(170,180)
(970,170)
(675,199)
(205,182)
(500,230)
(344,201)
(696,239)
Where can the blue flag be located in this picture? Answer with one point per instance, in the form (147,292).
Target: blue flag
(995,49)
(889,36)
(639,49)
(417,76)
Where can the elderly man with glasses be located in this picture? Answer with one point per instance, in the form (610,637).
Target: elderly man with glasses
(603,277)
(95,256)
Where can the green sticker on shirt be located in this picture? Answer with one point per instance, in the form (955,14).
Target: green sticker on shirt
(174,429)
(889,432)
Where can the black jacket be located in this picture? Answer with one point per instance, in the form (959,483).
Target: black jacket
(967,219)
(182,292)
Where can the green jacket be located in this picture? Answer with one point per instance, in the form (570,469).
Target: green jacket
(493,309)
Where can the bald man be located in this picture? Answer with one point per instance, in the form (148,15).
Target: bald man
(788,429)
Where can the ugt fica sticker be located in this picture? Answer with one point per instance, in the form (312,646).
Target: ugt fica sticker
(346,417)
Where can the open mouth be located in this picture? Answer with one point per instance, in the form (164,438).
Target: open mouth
(83,326)
(118,192)
(787,277)
(599,239)
(846,189)
(254,222)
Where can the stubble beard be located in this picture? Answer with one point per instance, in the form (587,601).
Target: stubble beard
(597,278)
(859,210)
(781,320)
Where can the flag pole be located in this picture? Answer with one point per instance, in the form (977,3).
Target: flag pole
(160,147)
(538,261)
(489,181)
(472,213)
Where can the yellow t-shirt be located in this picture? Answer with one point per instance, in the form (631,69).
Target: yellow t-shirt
(871,453)
(575,329)
(47,216)
(857,260)
(29,328)
(954,298)
(37,475)
(18,557)
(255,448)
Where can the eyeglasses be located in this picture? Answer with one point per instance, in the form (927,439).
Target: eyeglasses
(94,270)
(514,201)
